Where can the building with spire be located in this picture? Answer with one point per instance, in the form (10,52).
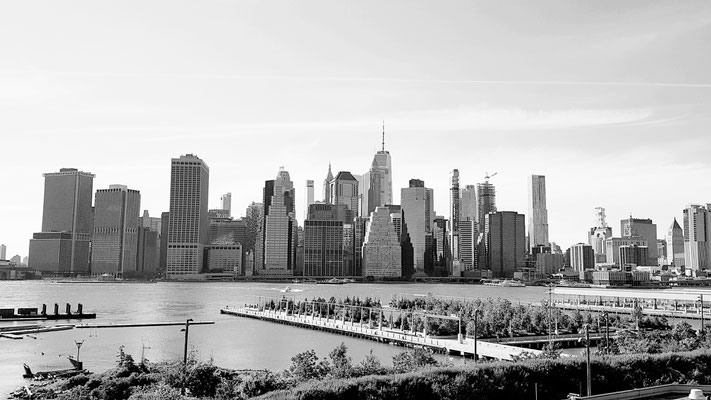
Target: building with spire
(376,186)
(537,212)
(675,245)
(327,185)
(382,257)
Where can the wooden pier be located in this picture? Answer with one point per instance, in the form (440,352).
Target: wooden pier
(462,346)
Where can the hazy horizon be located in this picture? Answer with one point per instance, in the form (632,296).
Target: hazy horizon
(610,101)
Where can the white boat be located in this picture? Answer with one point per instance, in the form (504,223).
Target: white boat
(504,283)
(286,290)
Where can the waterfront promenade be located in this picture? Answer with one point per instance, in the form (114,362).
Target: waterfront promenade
(462,346)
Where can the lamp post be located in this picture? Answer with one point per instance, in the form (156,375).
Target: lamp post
(185,349)
(607,333)
(701,299)
(587,347)
(476,327)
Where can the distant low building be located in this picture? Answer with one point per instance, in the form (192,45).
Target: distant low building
(225,258)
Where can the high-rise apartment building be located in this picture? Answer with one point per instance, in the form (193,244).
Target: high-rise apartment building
(382,255)
(323,241)
(309,196)
(164,225)
(116,225)
(598,235)
(486,200)
(582,257)
(697,238)
(279,229)
(537,212)
(188,223)
(645,228)
(147,252)
(454,213)
(226,202)
(675,245)
(63,245)
(441,249)
(418,214)
(3,252)
(344,190)
(505,238)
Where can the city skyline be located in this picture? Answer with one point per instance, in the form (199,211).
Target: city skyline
(602,103)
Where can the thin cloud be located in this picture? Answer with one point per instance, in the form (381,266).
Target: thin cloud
(305,78)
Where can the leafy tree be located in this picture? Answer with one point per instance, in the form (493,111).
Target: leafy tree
(370,366)
(412,360)
(306,366)
(341,366)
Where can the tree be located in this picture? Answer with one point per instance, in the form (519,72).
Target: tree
(370,365)
(341,366)
(411,360)
(306,366)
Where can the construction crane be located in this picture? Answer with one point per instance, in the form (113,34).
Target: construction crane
(487,176)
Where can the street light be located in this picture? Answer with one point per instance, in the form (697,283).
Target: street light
(185,354)
(701,298)
(476,327)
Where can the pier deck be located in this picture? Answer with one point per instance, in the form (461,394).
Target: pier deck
(464,347)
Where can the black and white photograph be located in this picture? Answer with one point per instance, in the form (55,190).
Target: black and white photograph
(339,199)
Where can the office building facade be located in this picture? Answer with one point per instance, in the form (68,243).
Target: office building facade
(382,257)
(63,245)
(505,241)
(644,228)
(675,245)
(418,213)
(116,229)
(697,236)
(486,199)
(188,223)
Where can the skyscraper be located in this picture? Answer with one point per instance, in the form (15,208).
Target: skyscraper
(116,224)
(63,245)
(3,252)
(645,228)
(454,213)
(381,247)
(697,232)
(537,212)
(379,181)
(226,201)
(675,245)
(323,241)
(418,214)
(505,239)
(279,230)
(309,196)
(468,234)
(486,199)
(188,222)
(327,185)
(344,190)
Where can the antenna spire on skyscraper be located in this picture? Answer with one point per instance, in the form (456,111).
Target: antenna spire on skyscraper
(383,135)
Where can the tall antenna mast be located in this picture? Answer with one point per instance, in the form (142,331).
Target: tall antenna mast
(383,135)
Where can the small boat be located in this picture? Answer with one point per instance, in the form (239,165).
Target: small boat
(504,283)
(332,281)
(286,290)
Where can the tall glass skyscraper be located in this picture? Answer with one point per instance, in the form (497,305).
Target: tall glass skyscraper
(454,213)
(486,200)
(279,228)
(188,223)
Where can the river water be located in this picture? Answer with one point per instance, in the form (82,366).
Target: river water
(232,342)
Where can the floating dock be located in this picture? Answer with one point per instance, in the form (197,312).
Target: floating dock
(462,346)
(34,314)
(142,325)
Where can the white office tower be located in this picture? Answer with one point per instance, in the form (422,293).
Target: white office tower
(537,212)
(279,225)
(598,235)
(226,201)
(382,256)
(697,232)
(675,245)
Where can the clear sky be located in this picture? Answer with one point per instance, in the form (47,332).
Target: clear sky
(611,100)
